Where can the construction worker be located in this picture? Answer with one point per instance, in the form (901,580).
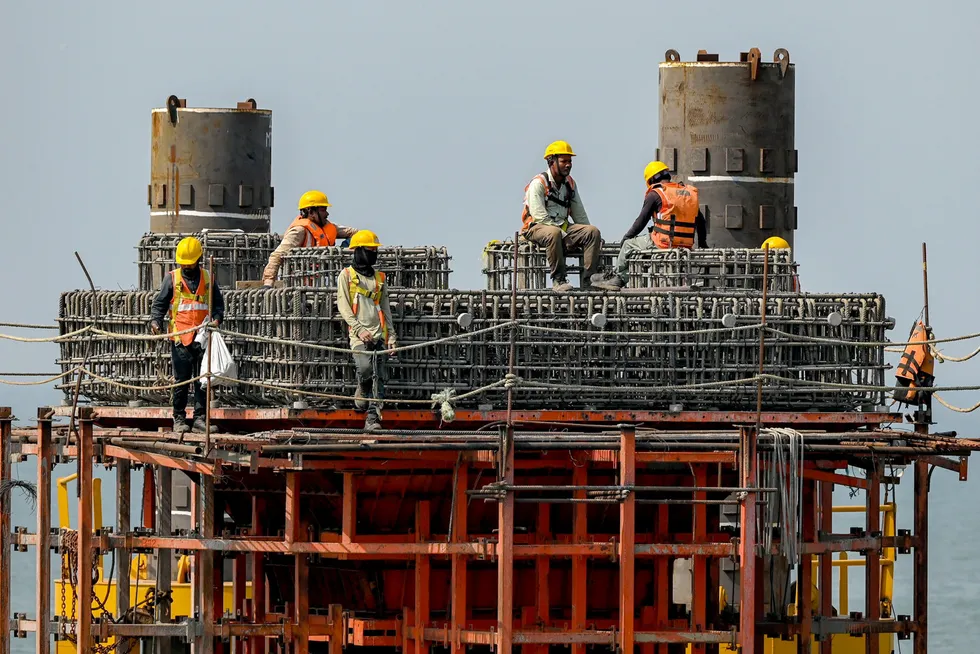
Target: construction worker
(190,297)
(673,208)
(551,199)
(362,299)
(309,229)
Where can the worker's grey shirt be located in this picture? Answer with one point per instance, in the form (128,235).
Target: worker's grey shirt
(551,213)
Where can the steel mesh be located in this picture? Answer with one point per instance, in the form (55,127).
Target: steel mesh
(640,365)
(405,267)
(237,256)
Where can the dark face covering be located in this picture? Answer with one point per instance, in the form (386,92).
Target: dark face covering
(364,260)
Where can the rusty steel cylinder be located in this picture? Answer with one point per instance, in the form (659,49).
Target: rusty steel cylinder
(728,129)
(210,168)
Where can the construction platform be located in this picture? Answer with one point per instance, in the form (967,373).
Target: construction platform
(611,529)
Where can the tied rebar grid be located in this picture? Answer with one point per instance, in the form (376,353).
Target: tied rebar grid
(405,267)
(237,256)
(709,268)
(638,365)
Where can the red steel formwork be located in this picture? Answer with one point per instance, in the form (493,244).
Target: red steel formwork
(395,539)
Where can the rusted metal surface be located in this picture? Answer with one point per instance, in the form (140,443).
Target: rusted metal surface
(747,543)
(5,512)
(728,129)
(872,569)
(505,554)
(85,550)
(627,536)
(164,503)
(220,163)
(42,611)
(123,525)
(256,418)
(920,569)
(826,560)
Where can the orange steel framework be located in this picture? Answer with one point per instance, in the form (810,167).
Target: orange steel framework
(395,539)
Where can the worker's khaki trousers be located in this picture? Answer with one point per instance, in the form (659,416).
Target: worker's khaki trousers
(578,238)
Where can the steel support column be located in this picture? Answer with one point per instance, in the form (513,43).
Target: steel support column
(6,502)
(43,551)
(164,522)
(301,576)
(747,547)
(920,572)
(804,580)
(662,581)
(580,531)
(699,564)
(124,556)
(627,538)
(458,535)
(826,561)
(258,644)
(872,559)
(83,602)
(205,567)
(505,556)
(542,572)
(238,582)
(423,570)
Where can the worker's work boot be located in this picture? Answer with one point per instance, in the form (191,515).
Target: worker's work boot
(373,423)
(608,282)
(560,285)
(359,402)
(201,426)
(180,426)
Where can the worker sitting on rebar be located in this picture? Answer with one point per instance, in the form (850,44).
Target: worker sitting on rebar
(311,228)
(190,296)
(362,299)
(673,208)
(550,200)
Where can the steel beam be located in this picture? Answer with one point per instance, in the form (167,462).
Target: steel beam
(83,602)
(826,560)
(44,464)
(804,584)
(580,530)
(423,569)
(204,643)
(124,557)
(872,558)
(920,572)
(258,644)
(505,554)
(699,607)
(747,544)
(164,504)
(301,570)
(458,535)
(6,502)
(627,538)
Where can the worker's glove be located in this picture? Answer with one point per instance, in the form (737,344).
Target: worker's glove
(154,328)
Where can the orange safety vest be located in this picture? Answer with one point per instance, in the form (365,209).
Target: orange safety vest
(316,236)
(188,309)
(356,291)
(673,226)
(550,196)
(916,367)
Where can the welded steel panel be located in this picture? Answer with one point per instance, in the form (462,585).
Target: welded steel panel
(731,125)
(220,161)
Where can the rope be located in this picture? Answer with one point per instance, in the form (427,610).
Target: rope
(45,339)
(707,330)
(955,408)
(942,358)
(18,325)
(40,382)
(346,350)
(838,341)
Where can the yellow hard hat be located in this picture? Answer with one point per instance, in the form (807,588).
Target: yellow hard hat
(653,168)
(364,239)
(775,243)
(558,147)
(313,199)
(188,251)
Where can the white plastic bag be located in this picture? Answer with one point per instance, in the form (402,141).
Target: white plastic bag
(221,361)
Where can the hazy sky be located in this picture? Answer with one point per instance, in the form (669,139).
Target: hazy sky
(424,121)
